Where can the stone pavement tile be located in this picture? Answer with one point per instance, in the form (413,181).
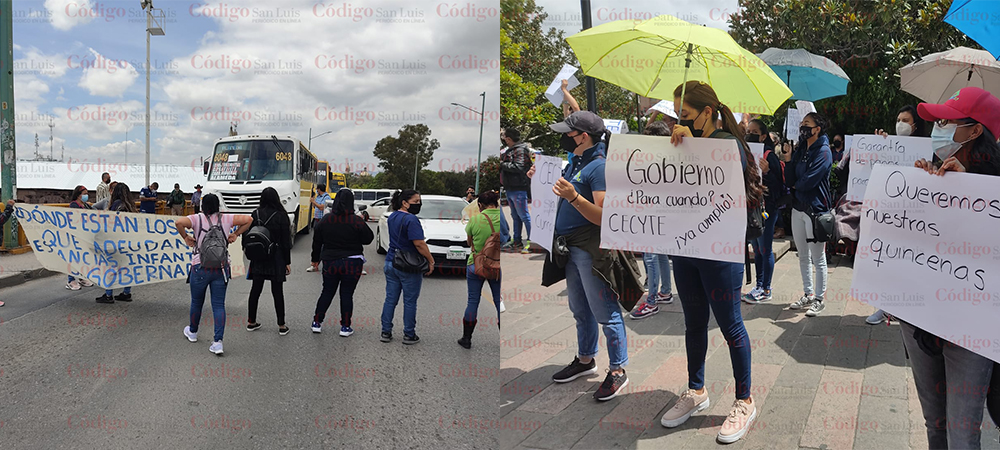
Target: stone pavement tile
(780,420)
(646,398)
(838,396)
(889,332)
(855,313)
(557,396)
(886,369)
(526,361)
(517,426)
(612,435)
(879,423)
(554,326)
(526,386)
(826,324)
(848,348)
(563,431)
(805,365)
(918,430)
(648,359)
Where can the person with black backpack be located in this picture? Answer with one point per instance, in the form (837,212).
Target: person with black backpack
(490,224)
(268,246)
(338,240)
(210,263)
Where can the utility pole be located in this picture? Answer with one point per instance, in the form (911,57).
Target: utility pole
(52,126)
(8,155)
(591,89)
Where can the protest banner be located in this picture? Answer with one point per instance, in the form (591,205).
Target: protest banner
(929,255)
(548,169)
(870,149)
(684,200)
(792,121)
(554,92)
(616,126)
(111,249)
(757,149)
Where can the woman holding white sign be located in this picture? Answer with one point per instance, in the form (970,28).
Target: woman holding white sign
(713,287)
(952,382)
(808,175)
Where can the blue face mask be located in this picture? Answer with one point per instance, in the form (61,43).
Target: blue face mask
(943,140)
(84,198)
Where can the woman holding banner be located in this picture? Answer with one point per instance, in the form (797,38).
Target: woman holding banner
(706,286)
(808,175)
(576,248)
(122,201)
(79,200)
(952,381)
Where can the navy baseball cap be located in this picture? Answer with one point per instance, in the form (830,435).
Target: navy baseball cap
(584,121)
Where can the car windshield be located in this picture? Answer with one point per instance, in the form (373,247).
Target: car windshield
(442,209)
(252,161)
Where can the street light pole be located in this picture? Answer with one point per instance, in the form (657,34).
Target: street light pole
(416,162)
(8,158)
(482,119)
(147,5)
(316,136)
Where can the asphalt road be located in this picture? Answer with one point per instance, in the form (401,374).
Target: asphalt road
(78,374)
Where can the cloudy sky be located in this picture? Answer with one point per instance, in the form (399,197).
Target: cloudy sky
(565,14)
(359,69)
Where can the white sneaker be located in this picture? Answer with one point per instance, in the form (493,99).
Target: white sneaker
(803,302)
(689,403)
(86,283)
(876,318)
(310,269)
(665,299)
(73,286)
(816,307)
(502,307)
(738,422)
(753,294)
(364,272)
(216,348)
(193,337)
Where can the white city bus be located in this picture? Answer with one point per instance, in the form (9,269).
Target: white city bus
(242,166)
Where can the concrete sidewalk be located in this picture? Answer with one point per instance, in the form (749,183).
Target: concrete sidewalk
(17,269)
(830,382)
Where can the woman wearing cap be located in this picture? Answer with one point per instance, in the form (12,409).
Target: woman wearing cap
(581,190)
(952,381)
(706,286)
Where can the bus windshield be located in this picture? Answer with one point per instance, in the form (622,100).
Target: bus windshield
(337,181)
(253,161)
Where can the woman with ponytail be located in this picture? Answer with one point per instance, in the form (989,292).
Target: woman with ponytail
(808,175)
(706,286)
(405,235)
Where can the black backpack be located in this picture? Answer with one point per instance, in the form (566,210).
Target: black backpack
(257,244)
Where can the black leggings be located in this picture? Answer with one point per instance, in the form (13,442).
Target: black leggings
(346,273)
(279,299)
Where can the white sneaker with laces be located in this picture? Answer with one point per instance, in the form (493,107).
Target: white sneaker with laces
(216,348)
(193,337)
(689,403)
(738,422)
(502,307)
(73,286)
(803,302)
(86,283)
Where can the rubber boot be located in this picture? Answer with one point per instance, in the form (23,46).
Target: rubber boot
(467,329)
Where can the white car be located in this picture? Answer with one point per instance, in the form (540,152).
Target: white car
(444,230)
(376,209)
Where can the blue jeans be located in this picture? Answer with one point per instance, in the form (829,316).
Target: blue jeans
(592,302)
(201,279)
(658,275)
(518,201)
(109,292)
(704,285)
(763,257)
(396,282)
(476,292)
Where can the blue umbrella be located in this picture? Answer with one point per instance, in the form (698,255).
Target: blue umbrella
(975,19)
(810,77)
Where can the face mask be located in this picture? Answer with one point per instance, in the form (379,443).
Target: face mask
(903,129)
(805,132)
(690,124)
(84,198)
(567,143)
(837,144)
(414,208)
(943,141)
(751,137)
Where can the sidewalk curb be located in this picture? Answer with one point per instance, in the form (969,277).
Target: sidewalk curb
(25,276)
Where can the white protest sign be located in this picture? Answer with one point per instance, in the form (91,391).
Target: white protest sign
(792,122)
(929,253)
(757,149)
(554,92)
(616,126)
(848,141)
(548,169)
(870,149)
(111,249)
(663,106)
(685,200)
(805,107)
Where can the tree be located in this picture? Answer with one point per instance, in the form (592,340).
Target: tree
(870,40)
(489,176)
(529,59)
(397,154)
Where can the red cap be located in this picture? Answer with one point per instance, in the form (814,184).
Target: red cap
(968,103)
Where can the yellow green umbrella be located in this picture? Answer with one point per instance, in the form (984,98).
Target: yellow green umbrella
(655,56)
